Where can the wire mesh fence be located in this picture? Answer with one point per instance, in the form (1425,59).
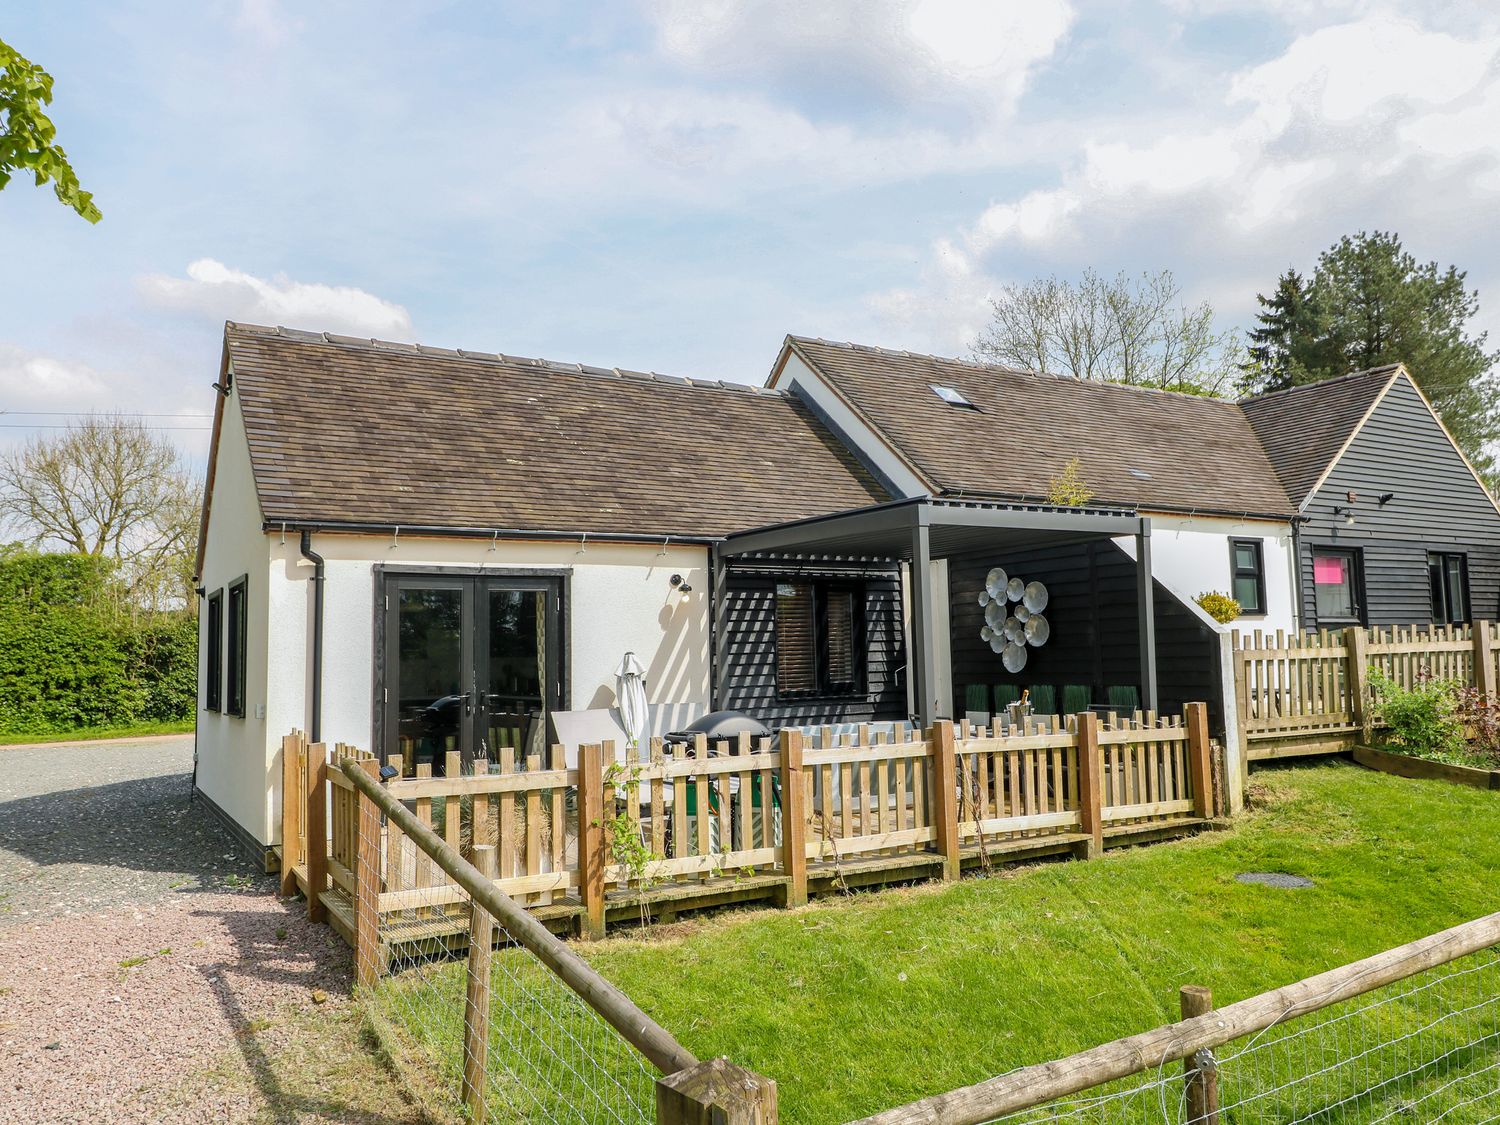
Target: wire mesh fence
(480,1026)
(1426,1049)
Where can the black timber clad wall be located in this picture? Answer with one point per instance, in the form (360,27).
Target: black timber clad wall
(747,678)
(1095,636)
(1438,506)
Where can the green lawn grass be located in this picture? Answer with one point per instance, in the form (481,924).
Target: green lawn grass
(94,734)
(862,1003)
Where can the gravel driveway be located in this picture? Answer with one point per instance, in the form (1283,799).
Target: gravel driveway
(141,951)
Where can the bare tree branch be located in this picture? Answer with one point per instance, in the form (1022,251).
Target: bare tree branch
(1115,330)
(108,487)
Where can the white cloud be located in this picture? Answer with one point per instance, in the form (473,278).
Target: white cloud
(1376,123)
(906,49)
(212,289)
(31,380)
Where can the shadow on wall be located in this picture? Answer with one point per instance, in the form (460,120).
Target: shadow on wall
(677,670)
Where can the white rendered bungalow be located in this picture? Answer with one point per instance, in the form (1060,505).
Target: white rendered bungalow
(417,550)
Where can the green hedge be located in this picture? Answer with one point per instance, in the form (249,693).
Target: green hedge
(73,656)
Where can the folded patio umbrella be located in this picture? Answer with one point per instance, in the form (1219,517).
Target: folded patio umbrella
(630,696)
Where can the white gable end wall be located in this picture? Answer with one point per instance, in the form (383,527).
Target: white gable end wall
(1190,555)
(798,378)
(233,769)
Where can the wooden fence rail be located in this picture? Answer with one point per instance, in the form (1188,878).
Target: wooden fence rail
(1312,693)
(660,830)
(1037,1085)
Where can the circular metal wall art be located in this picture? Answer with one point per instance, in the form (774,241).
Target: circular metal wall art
(995,582)
(1034,597)
(1037,631)
(1010,633)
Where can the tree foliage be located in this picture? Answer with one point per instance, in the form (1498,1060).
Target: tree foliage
(72,657)
(1368,303)
(1118,330)
(28,137)
(109,487)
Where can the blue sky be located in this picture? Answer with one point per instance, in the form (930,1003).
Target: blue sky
(673,186)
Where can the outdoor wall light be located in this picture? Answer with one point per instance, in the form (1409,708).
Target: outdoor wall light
(1386,498)
(1346,512)
(680,584)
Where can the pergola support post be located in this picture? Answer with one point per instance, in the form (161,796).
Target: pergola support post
(922,663)
(1146,609)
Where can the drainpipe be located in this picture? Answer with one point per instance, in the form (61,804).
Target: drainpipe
(1297,522)
(317,644)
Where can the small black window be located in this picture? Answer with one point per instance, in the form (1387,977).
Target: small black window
(1336,585)
(818,626)
(1248,576)
(1448,576)
(213,649)
(235,659)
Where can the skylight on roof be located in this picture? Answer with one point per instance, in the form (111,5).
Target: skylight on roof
(951,395)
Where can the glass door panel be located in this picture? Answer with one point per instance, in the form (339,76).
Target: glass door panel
(471,666)
(430,687)
(515,679)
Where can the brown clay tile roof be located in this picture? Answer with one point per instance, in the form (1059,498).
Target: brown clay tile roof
(1146,449)
(1303,429)
(355,431)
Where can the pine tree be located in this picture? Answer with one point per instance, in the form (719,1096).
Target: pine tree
(1284,349)
(1369,303)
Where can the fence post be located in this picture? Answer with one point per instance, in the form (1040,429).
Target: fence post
(793,819)
(317,831)
(716,1092)
(1357,645)
(1200,1071)
(1090,784)
(945,795)
(293,806)
(1484,662)
(592,850)
(1200,764)
(367,885)
(477,995)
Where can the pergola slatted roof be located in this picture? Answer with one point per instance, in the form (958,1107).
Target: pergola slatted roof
(884,531)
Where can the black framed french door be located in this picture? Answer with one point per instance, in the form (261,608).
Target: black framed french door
(471,664)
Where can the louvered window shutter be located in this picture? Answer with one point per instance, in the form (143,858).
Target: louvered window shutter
(796,638)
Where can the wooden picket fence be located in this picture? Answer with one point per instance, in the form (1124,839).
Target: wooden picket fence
(735,821)
(1311,693)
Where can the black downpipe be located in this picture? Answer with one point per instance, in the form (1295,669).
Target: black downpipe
(317,644)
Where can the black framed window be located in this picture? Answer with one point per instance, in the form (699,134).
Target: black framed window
(1247,576)
(1336,585)
(213,652)
(1448,576)
(818,645)
(234,628)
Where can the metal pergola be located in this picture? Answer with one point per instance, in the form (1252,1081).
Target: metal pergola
(923,528)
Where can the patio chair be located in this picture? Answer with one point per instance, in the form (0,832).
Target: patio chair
(1076,698)
(1043,699)
(1124,699)
(977,697)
